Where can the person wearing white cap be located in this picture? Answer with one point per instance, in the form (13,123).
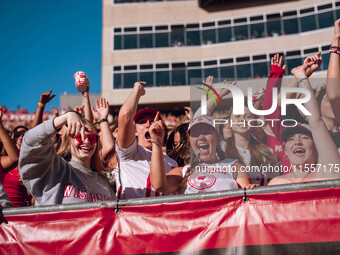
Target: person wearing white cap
(310,149)
(210,170)
(134,158)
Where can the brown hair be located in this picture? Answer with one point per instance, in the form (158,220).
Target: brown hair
(65,149)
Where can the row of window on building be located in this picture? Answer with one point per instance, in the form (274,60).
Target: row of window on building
(178,74)
(223,31)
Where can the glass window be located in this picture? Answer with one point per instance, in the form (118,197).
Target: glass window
(325,60)
(117,81)
(193,38)
(241,32)
(308,23)
(177,37)
(194,76)
(147,77)
(224,34)
(292,63)
(274,27)
(162,39)
(118,42)
(209,36)
(227,72)
(162,78)
(338,13)
(243,71)
(130,41)
(178,77)
(129,79)
(326,19)
(257,30)
(211,71)
(260,70)
(290,26)
(145,41)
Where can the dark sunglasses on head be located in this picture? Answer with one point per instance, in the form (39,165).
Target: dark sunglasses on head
(93,138)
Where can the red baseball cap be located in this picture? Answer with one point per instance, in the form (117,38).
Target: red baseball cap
(145,113)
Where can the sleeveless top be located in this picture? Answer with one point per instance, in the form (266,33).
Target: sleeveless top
(211,177)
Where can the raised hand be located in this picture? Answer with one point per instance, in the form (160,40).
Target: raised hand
(102,109)
(55,111)
(1,114)
(224,91)
(300,71)
(316,61)
(46,97)
(139,87)
(276,60)
(188,113)
(79,109)
(75,125)
(156,130)
(337,29)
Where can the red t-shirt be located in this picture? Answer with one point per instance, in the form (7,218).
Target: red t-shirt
(15,190)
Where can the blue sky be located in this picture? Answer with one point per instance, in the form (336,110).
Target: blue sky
(43,43)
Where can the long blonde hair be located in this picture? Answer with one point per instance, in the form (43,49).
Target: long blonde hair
(65,150)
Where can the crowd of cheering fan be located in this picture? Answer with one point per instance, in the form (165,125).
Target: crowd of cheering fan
(82,155)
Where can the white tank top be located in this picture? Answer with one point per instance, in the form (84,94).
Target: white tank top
(211,177)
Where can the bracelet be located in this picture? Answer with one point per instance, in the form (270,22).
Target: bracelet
(102,120)
(41,104)
(334,47)
(301,80)
(155,142)
(334,51)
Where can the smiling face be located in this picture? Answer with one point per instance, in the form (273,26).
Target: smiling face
(300,149)
(18,135)
(204,141)
(83,150)
(240,128)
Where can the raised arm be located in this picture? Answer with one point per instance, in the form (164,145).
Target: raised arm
(222,92)
(44,99)
(315,61)
(126,130)
(87,103)
(167,184)
(100,114)
(10,161)
(327,152)
(274,81)
(333,72)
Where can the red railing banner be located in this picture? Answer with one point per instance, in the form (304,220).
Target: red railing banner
(294,222)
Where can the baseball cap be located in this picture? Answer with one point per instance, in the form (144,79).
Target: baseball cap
(201,120)
(292,130)
(145,113)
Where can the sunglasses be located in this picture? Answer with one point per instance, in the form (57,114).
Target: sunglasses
(17,134)
(93,138)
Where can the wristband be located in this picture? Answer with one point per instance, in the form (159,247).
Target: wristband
(102,120)
(155,142)
(302,80)
(334,51)
(334,47)
(41,104)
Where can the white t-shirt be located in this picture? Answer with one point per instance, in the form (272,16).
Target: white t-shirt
(211,177)
(133,178)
